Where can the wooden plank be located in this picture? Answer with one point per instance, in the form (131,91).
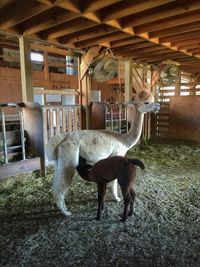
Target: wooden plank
(19,167)
(51,125)
(56,92)
(64,120)
(69,121)
(138,79)
(53,50)
(57,121)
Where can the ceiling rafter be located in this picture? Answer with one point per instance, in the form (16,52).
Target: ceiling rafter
(13,14)
(145,27)
(95,31)
(126,8)
(165,23)
(162,12)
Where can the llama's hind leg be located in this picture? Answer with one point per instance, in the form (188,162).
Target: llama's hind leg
(132,192)
(61,183)
(127,202)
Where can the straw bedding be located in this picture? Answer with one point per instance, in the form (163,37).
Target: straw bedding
(164,230)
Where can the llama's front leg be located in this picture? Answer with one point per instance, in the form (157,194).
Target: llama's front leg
(114,191)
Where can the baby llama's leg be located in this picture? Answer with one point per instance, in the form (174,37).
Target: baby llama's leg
(101,199)
(132,192)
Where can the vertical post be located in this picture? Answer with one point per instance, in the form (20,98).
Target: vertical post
(26,69)
(86,97)
(177,84)
(128,80)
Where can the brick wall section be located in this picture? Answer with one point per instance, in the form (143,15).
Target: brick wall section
(10,85)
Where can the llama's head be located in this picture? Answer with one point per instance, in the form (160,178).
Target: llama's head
(144,102)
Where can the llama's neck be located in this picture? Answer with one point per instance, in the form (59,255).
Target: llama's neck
(134,133)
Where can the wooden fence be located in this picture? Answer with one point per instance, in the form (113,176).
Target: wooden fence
(60,119)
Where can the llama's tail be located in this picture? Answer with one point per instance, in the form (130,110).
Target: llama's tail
(51,146)
(137,162)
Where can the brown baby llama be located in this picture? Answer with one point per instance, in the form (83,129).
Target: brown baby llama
(107,170)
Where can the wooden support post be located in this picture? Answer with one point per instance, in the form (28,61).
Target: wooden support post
(26,69)
(86,98)
(46,67)
(128,80)
(177,84)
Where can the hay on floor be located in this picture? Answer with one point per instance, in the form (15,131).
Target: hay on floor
(164,230)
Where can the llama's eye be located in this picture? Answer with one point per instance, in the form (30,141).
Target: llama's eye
(146,103)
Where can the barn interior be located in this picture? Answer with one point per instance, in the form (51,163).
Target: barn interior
(67,65)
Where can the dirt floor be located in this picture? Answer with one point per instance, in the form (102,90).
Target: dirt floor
(164,230)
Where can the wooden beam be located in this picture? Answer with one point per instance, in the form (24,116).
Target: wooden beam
(3,3)
(141,45)
(97,30)
(53,50)
(126,41)
(179,37)
(13,15)
(94,5)
(93,16)
(130,7)
(26,69)
(87,60)
(174,30)
(68,28)
(159,14)
(56,92)
(46,21)
(71,5)
(167,23)
(98,40)
(184,43)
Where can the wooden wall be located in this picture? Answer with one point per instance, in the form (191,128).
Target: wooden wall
(10,84)
(185,118)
